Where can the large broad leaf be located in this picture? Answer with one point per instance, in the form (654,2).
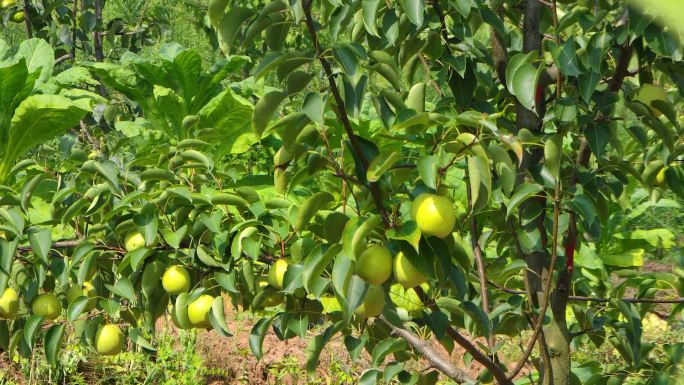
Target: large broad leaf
(229,116)
(12,80)
(39,56)
(37,119)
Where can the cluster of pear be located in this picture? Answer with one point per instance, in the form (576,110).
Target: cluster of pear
(434,216)
(18,16)
(108,338)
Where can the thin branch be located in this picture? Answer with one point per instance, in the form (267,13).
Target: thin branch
(478,356)
(477,252)
(426,69)
(27,19)
(342,112)
(581,298)
(436,360)
(547,285)
(74,29)
(63,58)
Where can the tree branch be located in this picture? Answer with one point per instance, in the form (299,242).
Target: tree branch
(478,356)
(342,112)
(27,19)
(581,298)
(436,360)
(477,252)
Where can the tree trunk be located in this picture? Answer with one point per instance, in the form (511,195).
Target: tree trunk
(555,367)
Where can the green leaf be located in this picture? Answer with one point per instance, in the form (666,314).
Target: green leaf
(349,61)
(414,10)
(587,84)
(522,193)
(30,328)
(565,58)
(478,316)
(675,179)
(124,288)
(229,26)
(524,85)
(517,61)
(265,109)
(218,318)
(76,307)
(136,336)
(355,236)
(53,342)
(39,56)
(598,137)
(180,308)
(480,179)
(313,107)
(313,350)
(370,11)
(41,242)
(229,115)
(381,164)
(317,264)
(256,336)
(310,207)
(216,10)
(553,151)
(355,294)
(565,110)
(427,168)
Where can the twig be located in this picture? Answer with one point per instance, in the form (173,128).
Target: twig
(477,252)
(423,347)
(74,29)
(27,19)
(63,58)
(426,69)
(478,356)
(547,285)
(581,298)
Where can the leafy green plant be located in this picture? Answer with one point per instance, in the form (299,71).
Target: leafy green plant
(29,118)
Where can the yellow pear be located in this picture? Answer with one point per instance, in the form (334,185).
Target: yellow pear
(198,311)
(87,290)
(47,305)
(176,280)
(276,274)
(375,265)
(108,340)
(134,241)
(9,303)
(405,273)
(373,303)
(434,215)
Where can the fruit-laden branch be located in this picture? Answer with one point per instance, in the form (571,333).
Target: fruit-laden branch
(342,112)
(436,360)
(377,197)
